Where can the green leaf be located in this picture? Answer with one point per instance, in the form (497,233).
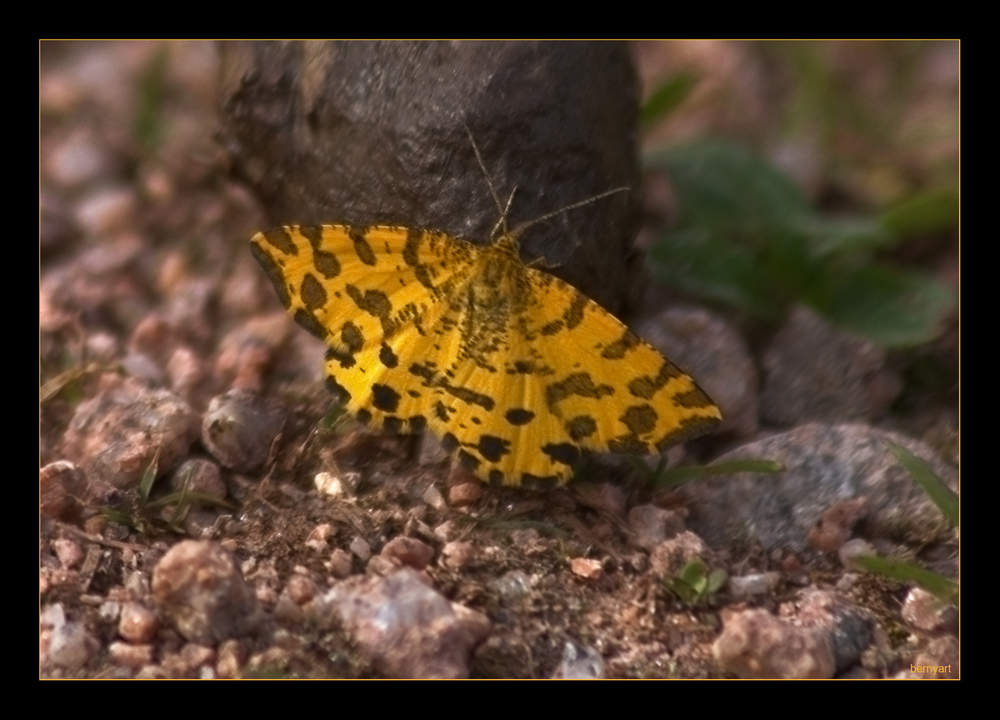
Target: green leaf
(748,239)
(693,573)
(938,585)
(922,473)
(833,236)
(930,212)
(890,307)
(704,263)
(693,585)
(721,184)
(716,579)
(668,96)
(742,241)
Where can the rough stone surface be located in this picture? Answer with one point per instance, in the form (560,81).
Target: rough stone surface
(116,435)
(580,662)
(198,584)
(408,551)
(406,628)
(200,476)
(925,613)
(813,371)
(138,624)
(61,486)
(849,628)
(650,525)
(240,427)
(823,465)
(755,644)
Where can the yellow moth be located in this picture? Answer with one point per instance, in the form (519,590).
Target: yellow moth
(515,370)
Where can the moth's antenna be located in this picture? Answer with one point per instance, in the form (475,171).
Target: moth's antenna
(504,210)
(502,222)
(524,226)
(496,198)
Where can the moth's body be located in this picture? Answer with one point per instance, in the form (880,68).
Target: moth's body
(496,290)
(514,369)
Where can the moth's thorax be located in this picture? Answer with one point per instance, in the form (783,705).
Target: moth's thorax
(500,283)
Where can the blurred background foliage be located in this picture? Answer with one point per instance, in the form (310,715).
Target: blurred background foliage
(816,173)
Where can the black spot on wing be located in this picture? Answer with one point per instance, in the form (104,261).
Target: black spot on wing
(338,391)
(576,384)
(470,462)
(384,398)
(373,302)
(689,428)
(693,398)
(313,293)
(280,238)
(580,427)
(392,424)
(423,276)
(361,247)
(352,337)
(645,387)
(411,250)
(313,234)
(387,356)
(340,356)
(418,424)
(519,416)
(326,263)
(552,328)
(468,396)
(628,445)
(539,482)
(493,448)
(565,453)
(422,371)
(442,412)
(574,313)
(639,419)
(620,347)
(411,256)
(310,323)
(273,271)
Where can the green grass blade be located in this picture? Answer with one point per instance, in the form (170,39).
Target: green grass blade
(937,585)
(694,472)
(930,483)
(148,477)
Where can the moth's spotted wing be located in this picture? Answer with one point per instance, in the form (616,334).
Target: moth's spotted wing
(567,375)
(514,369)
(371,294)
